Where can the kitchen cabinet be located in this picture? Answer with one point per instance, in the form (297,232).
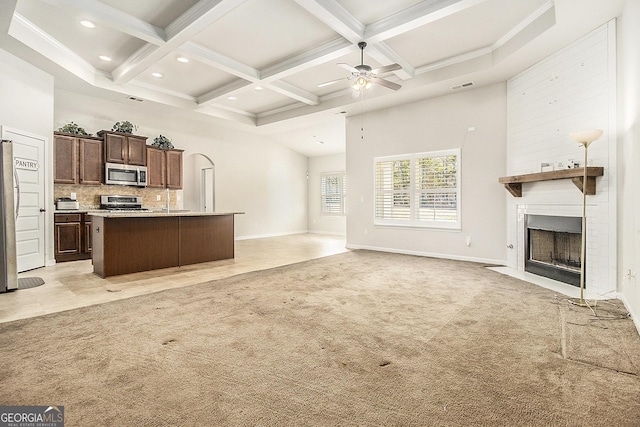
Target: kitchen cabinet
(174,169)
(72,236)
(164,169)
(132,242)
(77,159)
(124,148)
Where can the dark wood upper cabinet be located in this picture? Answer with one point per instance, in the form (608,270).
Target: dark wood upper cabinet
(91,166)
(164,168)
(65,159)
(114,148)
(124,148)
(78,160)
(174,169)
(156,168)
(137,150)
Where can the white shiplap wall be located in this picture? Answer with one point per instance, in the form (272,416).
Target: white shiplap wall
(572,90)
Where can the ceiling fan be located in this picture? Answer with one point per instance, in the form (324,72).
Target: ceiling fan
(365,75)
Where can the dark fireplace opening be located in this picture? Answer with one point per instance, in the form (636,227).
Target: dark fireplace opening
(553,246)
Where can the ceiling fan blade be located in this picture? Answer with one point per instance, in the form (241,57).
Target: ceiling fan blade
(348,67)
(386,69)
(332,82)
(385,83)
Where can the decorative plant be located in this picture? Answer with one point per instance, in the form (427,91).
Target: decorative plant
(124,127)
(73,128)
(162,142)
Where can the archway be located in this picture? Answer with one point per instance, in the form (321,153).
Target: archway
(199,189)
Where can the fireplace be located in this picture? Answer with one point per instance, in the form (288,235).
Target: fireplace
(553,247)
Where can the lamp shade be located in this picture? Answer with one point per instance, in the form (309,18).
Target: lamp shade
(586,137)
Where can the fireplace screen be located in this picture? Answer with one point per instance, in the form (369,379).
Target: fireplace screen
(556,248)
(553,247)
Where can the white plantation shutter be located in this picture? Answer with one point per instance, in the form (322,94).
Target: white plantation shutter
(436,188)
(333,193)
(393,190)
(419,190)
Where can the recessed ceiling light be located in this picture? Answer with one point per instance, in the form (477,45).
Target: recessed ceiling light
(104,58)
(158,75)
(259,88)
(232,98)
(87,24)
(182,59)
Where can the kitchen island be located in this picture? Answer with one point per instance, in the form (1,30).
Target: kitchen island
(129,242)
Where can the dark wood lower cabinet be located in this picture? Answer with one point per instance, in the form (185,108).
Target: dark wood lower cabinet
(124,245)
(72,236)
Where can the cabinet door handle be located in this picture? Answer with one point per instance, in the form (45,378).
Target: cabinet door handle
(42,210)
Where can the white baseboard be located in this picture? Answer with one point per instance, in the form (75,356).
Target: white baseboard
(263,236)
(327,233)
(496,262)
(634,316)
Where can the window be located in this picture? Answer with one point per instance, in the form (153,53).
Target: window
(334,194)
(419,190)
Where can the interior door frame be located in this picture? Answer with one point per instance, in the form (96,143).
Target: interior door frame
(48,188)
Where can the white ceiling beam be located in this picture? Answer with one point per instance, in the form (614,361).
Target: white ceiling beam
(109,16)
(199,17)
(222,91)
(385,55)
(537,23)
(189,24)
(336,17)
(458,59)
(217,60)
(309,59)
(414,17)
(247,76)
(31,35)
(230,114)
(7,8)
(341,21)
(293,92)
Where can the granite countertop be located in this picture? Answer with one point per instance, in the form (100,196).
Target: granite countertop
(130,214)
(155,214)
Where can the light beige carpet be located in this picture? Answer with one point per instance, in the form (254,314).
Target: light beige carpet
(356,339)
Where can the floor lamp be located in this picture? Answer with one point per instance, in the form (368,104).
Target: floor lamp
(585,138)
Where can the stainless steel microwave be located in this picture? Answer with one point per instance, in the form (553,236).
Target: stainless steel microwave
(119,174)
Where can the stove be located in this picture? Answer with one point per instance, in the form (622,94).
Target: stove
(122,203)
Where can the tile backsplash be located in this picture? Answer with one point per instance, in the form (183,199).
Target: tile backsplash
(88,196)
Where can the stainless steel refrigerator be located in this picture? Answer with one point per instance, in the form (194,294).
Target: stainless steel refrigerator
(8,258)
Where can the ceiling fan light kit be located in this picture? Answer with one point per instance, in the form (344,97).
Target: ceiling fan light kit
(364,75)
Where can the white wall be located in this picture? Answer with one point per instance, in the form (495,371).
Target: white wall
(430,125)
(629,158)
(319,223)
(571,90)
(26,104)
(254,175)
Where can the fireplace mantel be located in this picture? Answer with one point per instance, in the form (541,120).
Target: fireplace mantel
(513,184)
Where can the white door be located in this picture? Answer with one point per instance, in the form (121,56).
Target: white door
(29,162)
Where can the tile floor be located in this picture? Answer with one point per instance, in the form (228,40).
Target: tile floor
(72,284)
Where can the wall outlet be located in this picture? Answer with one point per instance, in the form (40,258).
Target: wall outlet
(468,240)
(73,196)
(158,198)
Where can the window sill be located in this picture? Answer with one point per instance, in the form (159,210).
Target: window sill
(454,228)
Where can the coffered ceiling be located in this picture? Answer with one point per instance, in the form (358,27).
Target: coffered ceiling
(259,62)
